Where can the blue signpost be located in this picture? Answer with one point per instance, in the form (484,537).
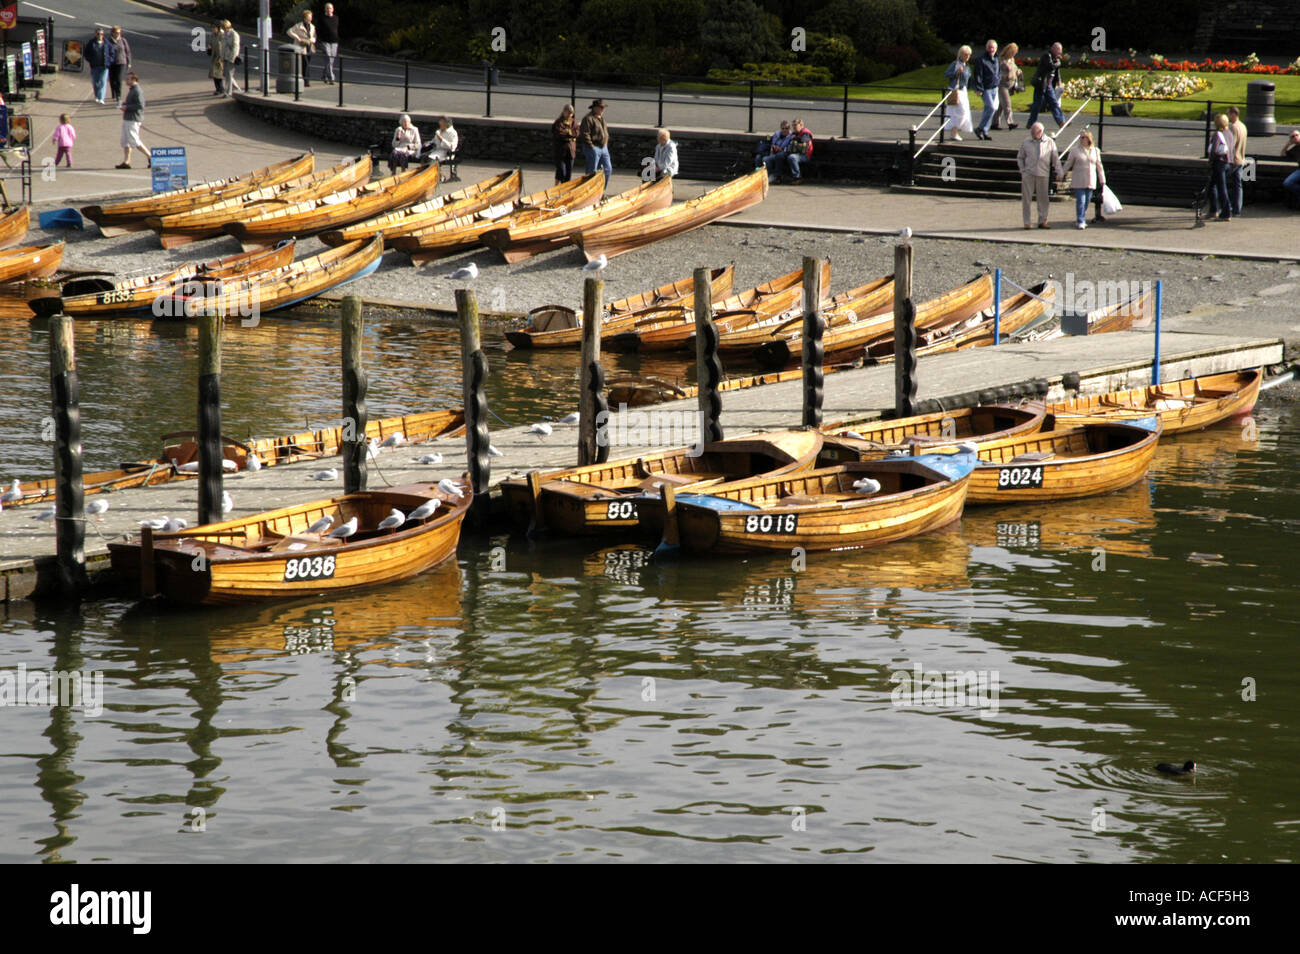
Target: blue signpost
(169,170)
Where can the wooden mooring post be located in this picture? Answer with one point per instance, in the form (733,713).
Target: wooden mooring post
(69,497)
(813,353)
(355,385)
(593,409)
(211,327)
(904,332)
(474,371)
(708,366)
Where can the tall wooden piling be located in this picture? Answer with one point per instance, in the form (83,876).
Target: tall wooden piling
(69,497)
(708,366)
(355,385)
(813,358)
(209,417)
(593,409)
(474,371)
(904,332)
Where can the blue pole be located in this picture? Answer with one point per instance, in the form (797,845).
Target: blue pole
(1155,365)
(997,306)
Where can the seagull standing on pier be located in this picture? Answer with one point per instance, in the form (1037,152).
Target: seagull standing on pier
(13,494)
(429,459)
(597,264)
(328,474)
(470,271)
(541,430)
(227,504)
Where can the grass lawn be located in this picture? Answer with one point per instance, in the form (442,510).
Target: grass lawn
(1224,87)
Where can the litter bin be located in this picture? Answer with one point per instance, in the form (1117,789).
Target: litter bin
(1259,108)
(491,75)
(287,72)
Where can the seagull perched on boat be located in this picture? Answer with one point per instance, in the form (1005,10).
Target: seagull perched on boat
(372,449)
(228,465)
(13,494)
(425,509)
(571,418)
(321,525)
(297,546)
(469,271)
(867,486)
(253,462)
(345,531)
(493,452)
(450,487)
(541,430)
(96,507)
(855,435)
(393,520)
(328,474)
(191,468)
(597,264)
(970,447)
(175,525)
(394,440)
(429,459)
(157,523)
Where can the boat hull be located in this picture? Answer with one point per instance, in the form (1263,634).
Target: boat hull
(1191,404)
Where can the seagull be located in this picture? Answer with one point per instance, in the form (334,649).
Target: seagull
(393,520)
(394,440)
(345,531)
(425,509)
(855,435)
(450,487)
(571,418)
(157,523)
(328,474)
(175,525)
(493,452)
(321,525)
(866,486)
(46,514)
(96,507)
(905,234)
(469,271)
(228,465)
(596,264)
(191,468)
(13,493)
(297,546)
(970,447)
(541,430)
(372,449)
(253,462)
(227,504)
(429,459)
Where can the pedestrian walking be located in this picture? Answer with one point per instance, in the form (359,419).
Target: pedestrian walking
(64,136)
(1087,175)
(216,68)
(958,74)
(303,33)
(96,55)
(564,143)
(1011,80)
(1236,193)
(121,61)
(984,79)
(327,31)
(229,54)
(1221,149)
(593,134)
(665,158)
(1047,87)
(132,117)
(1038,163)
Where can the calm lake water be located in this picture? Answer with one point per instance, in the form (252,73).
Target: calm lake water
(554,700)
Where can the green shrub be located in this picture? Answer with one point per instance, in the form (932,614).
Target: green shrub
(833,53)
(780,74)
(928,44)
(872,71)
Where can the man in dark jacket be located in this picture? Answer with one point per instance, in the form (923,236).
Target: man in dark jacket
(97,57)
(1047,87)
(132,116)
(593,137)
(984,80)
(327,29)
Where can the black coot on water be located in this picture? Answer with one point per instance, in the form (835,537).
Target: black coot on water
(1187,768)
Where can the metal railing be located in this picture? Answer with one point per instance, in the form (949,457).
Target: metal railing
(913,154)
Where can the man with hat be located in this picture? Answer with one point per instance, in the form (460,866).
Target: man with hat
(593,135)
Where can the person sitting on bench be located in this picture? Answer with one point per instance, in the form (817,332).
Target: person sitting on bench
(406,144)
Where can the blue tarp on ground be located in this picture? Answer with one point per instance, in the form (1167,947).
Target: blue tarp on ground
(61,219)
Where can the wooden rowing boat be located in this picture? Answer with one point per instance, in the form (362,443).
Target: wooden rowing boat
(638,391)
(1135,312)
(672,327)
(266,291)
(517,243)
(31,261)
(558,326)
(822,509)
(603,497)
(463,232)
(1063,462)
(130,216)
(1191,404)
(16,297)
(616,238)
(850,439)
(746,337)
(273,555)
(98,298)
(503,187)
(337,209)
(13,226)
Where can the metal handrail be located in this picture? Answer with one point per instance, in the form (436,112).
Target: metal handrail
(1074,114)
(937,106)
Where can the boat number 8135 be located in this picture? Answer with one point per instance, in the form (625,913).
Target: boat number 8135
(1018,478)
(771,522)
(309,568)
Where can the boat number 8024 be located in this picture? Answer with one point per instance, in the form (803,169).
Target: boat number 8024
(1018,478)
(621,510)
(771,522)
(309,568)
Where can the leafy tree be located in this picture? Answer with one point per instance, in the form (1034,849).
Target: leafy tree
(734,32)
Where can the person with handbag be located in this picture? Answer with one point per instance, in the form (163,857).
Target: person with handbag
(121,62)
(985,77)
(958,74)
(1220,150)
(303,33)
(1011,79)
(1087,175)
(1047,86)
(229,56)
(564,144)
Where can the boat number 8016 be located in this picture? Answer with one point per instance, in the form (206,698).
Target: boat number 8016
(771,522)
(309,568)
(1018,478)
(621,510)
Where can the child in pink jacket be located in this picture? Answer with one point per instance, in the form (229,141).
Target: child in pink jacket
(64,136)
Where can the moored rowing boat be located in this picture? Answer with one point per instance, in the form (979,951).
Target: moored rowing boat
(980,424)
(32,261)
(1190,404)
(13,225)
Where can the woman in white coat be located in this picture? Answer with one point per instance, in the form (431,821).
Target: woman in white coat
(1087,175)
(958,73)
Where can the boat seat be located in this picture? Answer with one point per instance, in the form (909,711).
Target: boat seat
(313,541)
(1034,457)
(800,500)
(677,480)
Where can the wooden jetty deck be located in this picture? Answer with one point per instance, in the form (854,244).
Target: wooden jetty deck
(1057,368)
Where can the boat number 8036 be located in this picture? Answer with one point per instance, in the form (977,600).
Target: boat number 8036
(621,510)
(771,522)
(309,568)
(1018,478)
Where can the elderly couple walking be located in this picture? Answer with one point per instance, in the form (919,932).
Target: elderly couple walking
(1039,161)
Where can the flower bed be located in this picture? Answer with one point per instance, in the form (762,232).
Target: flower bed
(1130,86)
(1158,63)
